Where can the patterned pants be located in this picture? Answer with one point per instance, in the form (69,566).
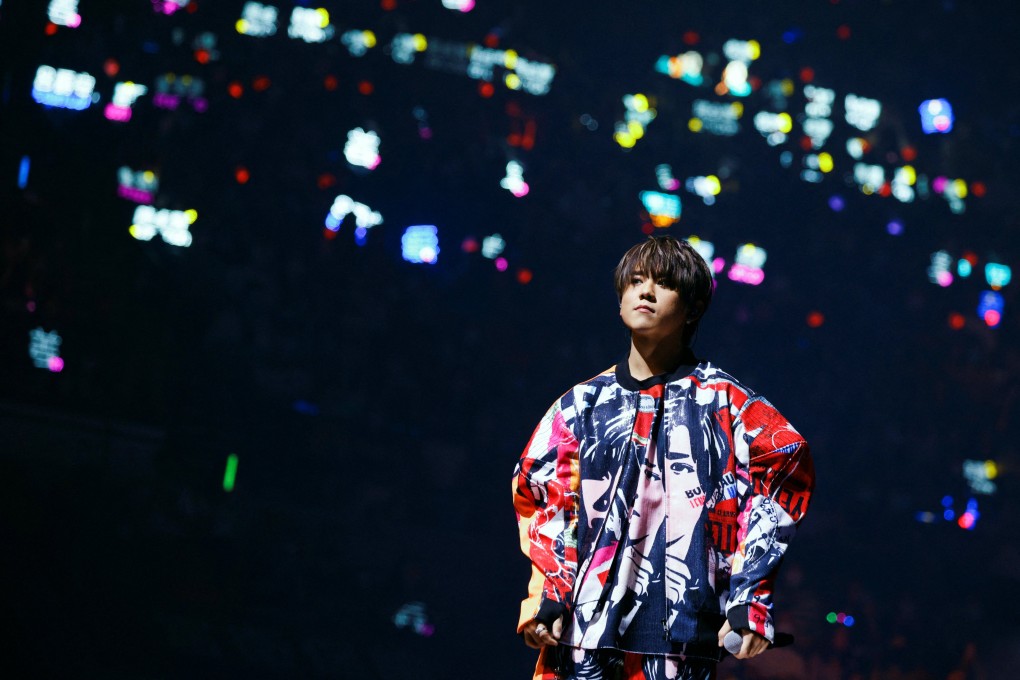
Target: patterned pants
(566,663)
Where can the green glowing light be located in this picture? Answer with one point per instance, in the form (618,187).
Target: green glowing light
(230,474)
(832,617)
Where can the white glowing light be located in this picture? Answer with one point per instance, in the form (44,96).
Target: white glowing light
(718,118)
(172,89)
(704,248)
(747,266)
(735,79)
(939,269)
(514,180)
(742,51)
(667,182)
(257,20)
(869,177)
(706,187)
(64,13)
(44,348)
(124,97)
(979,475)
(169,6)
(773,126)
(492,246)
(63,88)
(817,125)
(420,244)
(459,5)
(343,205)
(855,147)
(405,47)
(171,225)
(664,209)
(362,149)
(358,43)
(138,186)
(861,112)
(686,67)
(310,25)
(903,183)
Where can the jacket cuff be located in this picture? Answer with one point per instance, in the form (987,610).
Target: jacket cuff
(744,616)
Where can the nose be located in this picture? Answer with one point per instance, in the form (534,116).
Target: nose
(646,289)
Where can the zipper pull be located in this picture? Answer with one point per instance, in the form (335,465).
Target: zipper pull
(665,630)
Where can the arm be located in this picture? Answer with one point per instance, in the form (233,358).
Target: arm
(545,499)
(780,474)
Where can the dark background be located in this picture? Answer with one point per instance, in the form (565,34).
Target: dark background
(377,407)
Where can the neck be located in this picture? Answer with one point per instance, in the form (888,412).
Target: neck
(654,357)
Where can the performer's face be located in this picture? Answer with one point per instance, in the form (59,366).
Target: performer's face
(650,309)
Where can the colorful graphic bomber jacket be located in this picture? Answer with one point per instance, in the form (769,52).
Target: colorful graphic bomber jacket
(653,509)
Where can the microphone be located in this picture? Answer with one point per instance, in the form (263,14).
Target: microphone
(734,641)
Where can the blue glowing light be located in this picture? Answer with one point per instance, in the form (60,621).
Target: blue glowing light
(895,228)
(964,268)
(420,244)
(947,501)
(949,514)
(26,164)
(848,621)
(990,308)
(998,275)
(936,116)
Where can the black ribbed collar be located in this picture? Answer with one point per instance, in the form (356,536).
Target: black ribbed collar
(688,362)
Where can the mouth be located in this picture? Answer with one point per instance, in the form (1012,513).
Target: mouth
(644,308)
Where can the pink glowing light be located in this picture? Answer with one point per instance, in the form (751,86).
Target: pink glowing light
(136,195)
(501,264)
(744,274)
(944,279)
(718,264)
(166,101)
(993,317)
(121,114)
(55,364)
(938,184)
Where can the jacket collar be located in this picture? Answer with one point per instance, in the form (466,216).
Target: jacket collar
(688,362)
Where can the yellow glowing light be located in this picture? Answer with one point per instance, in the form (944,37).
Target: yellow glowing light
(323,17)
(720,88)
(909,174)
(991,469)
(624,139)
(149,176)
(738,109)
(787,87)
(713,184)
(369,38)
(867,190)
(420,43)
(513,81)
(510,59)
(635,129)
(960,188)
(640,103)
(785,122)
(753,49)
(825,162)
(241,26)
(695,125)
(133,230)
(191,215)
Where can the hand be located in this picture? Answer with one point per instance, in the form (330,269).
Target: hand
(536,635)
(754,644)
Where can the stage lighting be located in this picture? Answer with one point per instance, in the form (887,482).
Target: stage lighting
(704,248)
(818,108)
(773,126)
(257,20)
(667,182)
(936,116)
(230,473)
(903,183)
(998,275)
(171,225)
(869,178)
(413,616)
(514,180)
(990,308)
(717,118)
(492,246)
(169,6)
(861,112)
(686,67)
(362,149)
(664,209)
(748,263)
(358,42)
(404,47)
(364,217)
(139,186)
(44,349)
(124,97)
(459,5)
(420,244)
(171,89)
(938,270)
(64,13)
(310,25)
(638,114)
(23,170)
(63,88)
(979,475)
(706,187)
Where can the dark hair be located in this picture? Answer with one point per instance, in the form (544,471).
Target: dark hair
(679,265)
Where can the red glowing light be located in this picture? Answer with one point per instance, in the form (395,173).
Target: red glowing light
(261,84)
(956,321)
(886,190)
(235,90)
(843,32)
(242,175)
(806,143)
(691,38)
(755,83)
(978,189)
(326,180)
(815,319)
(486,90)
(366,87)
(111,67)
(193,7)
(329,234)
(470,245)
(51,29)
(388,5)
(971,257)
(330,82)
(647,228)
(908,153)
(992,318)
(966,521)
(524,276)
(807,74)
(202,56)
(491,40)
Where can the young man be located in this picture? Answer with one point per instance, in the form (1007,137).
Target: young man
(656,499)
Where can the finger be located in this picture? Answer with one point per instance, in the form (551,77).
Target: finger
(557,628)
(548,639)
(724,631)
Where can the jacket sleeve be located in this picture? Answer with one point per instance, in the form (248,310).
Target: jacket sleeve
(545,498)
(776,464)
